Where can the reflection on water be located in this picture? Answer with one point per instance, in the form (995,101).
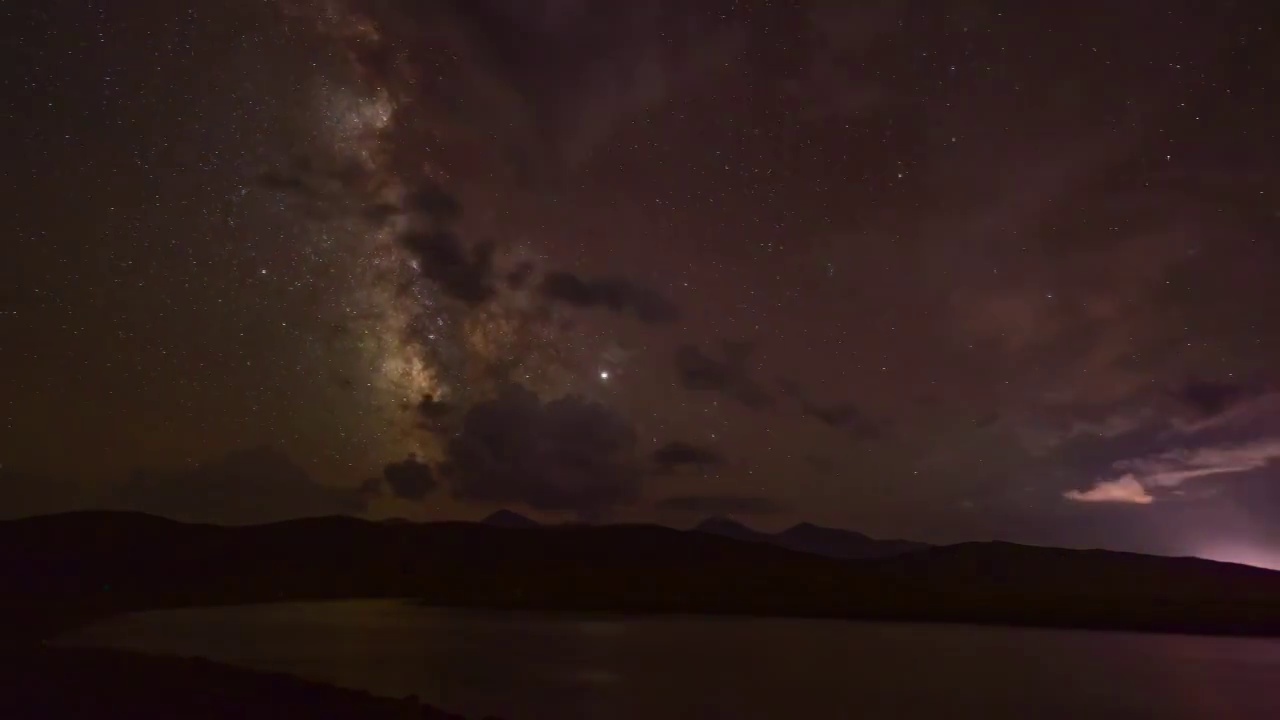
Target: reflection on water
(539,667)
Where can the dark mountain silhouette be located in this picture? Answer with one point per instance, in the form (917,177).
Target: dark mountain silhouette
(725,527)
(814,539)
(62,569)
(509,519)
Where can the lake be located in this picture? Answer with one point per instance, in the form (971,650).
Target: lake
(529,666)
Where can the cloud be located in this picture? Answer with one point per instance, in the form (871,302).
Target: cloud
(1210,398)
(1124,489)
(538,83)
(410,479)
(835,415)
(1170,469)
(256,485)
(1174,467)
(519,274)
(465,273)
(701,372)
(568,454)
(436,415)
(1069,435)
(720,505)
(1258,413)
(431,202)
(676,454)
(317,181)
(616,294)
(425,216)
(844,415)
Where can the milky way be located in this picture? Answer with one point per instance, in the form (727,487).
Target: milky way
(416,341)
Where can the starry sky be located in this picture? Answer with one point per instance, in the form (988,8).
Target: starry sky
(945,271)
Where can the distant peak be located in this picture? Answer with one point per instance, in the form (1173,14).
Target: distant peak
(719,521)
(509,518)
(808,536)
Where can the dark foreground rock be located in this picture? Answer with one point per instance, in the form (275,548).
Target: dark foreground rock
(97,683)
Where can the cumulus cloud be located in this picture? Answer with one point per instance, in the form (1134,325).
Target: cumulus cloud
(568,454)
(1124,489)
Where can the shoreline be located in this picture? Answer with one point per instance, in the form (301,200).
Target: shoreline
(50,679)
(88,682)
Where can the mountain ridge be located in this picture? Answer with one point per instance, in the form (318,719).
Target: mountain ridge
(66,569)
(814,539)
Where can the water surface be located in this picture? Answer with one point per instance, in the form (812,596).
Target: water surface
(527,666)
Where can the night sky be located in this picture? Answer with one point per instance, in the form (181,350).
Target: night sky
(943,271)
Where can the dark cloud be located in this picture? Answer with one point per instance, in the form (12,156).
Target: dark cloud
(550,80)
(256,485)
(462,272)
(519,275)
(614,294)
(319,181)
(430,213)
(677,454)
(276,179)
(568,454)
(731,377)
(432,202)
(720,505)
(436,415)
(840,415)
(843,416)
(1209,397)
(410,479)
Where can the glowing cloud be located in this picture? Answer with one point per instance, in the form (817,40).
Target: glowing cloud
(1126,489)
(1173,468)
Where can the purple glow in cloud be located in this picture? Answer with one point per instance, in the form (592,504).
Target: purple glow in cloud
(1172,468)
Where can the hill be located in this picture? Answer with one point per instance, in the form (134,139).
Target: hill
(62,569)
(810,538)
